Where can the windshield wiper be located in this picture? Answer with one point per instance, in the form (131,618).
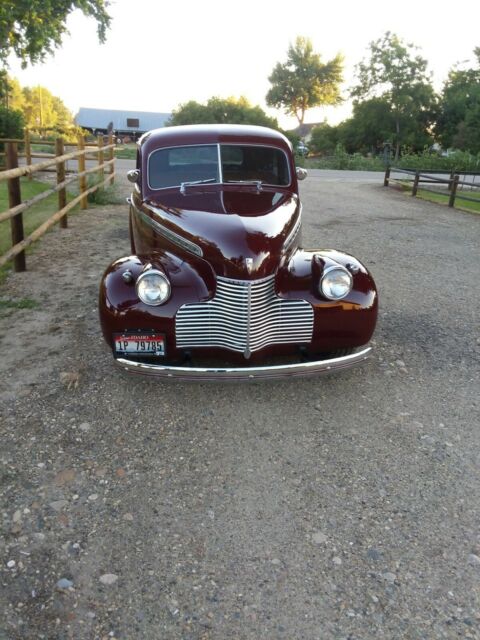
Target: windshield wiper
(184,185)
(253,183)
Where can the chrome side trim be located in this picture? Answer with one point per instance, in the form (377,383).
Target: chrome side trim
(169,235)
(245,373)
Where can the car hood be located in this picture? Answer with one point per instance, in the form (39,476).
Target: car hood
(242,233)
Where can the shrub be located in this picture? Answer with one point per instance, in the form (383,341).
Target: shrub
(456,161)
(104,195)
(342,160)
(11,123)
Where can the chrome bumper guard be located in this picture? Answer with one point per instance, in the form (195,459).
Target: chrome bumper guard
(245,373)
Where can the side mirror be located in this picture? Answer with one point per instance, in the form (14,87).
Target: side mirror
(133,175)
(301,173)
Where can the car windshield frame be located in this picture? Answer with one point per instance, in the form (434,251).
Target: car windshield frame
(219,167)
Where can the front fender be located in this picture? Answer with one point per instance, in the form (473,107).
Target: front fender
(120,308)
(349,322)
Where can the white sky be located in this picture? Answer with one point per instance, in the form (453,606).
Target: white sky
(160,54)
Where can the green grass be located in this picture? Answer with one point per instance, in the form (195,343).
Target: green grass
(8,306)
(126,152)
(39,213)
(24,303)
(442,198)
(33,217)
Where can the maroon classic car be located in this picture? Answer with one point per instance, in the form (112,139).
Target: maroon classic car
(217,285)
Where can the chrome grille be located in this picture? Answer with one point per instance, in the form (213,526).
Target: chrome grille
(244,316)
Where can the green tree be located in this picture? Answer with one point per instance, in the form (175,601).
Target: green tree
(11,94)
(324,139)
(11,123)
(221,110)
(396,75)
(458,121)
(303,81)
(41,109)
(371,124)
(4,87)
(31,29)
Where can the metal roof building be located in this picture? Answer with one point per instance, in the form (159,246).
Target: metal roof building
(120,121)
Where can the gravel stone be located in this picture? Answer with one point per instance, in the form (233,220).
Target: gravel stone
(64,583)
(59,505)
(319,538)
(108,578)
(270,467)
(474,560)
(374,554)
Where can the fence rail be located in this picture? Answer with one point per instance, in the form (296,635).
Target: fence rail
(105,161)
(28,143)
(429,177)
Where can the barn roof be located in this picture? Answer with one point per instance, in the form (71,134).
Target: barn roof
(101,118)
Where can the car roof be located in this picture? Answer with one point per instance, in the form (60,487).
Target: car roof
(212,134)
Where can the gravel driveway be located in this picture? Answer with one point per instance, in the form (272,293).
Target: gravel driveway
(335,507)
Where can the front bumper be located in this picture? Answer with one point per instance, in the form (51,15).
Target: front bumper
(245,373)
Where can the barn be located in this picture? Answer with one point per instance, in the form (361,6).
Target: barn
(123,124)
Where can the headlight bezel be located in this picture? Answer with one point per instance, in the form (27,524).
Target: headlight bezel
(329,270)
(148,273)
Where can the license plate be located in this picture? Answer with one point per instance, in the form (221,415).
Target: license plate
(152,344)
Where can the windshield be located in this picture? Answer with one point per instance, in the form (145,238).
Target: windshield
(193,165)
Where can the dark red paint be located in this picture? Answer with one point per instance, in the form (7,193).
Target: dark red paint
(229,223)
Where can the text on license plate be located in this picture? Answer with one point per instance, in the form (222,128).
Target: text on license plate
(152,344)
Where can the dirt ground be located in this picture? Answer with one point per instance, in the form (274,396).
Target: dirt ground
(341,507)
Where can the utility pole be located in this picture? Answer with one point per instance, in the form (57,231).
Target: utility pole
(41,105)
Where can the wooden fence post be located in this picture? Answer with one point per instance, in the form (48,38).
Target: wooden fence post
(415,183)
(14,199)
(387,177)
(82,181)
(101,170)
(28,150)
(450,181)
(453,191)
(62,194)
(111,157)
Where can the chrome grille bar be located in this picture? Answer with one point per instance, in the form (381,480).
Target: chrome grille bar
(244,316)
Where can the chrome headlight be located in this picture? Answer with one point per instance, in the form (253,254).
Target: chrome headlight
(336,283)
(153,287)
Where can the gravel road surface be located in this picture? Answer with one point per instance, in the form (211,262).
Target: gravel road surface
(341,507)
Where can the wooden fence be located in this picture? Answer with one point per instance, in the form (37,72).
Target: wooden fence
(12,176)
(430,177)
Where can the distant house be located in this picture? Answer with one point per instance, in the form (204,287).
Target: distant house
(121,123)
(305,130)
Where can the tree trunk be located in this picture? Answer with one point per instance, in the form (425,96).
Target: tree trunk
(397,144)
(300,115)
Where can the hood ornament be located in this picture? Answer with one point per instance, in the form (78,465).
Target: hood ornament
(249,265)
